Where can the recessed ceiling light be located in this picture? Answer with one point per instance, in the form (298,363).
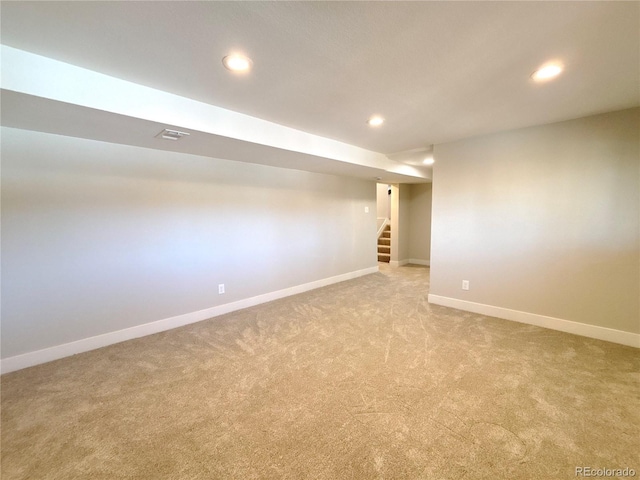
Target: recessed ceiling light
(375,121)
(237,63)
(547,72)
(428,161)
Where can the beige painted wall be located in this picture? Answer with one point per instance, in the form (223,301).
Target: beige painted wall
(98,237)
(420,222)
(400,223)
(410,223)
(544,220)
(383,201)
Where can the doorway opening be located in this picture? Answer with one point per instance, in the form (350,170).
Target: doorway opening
(383,218)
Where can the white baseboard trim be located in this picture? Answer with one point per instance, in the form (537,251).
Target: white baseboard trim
(398,263)
(568,326)
(49,354)
(417,261)
(414,261)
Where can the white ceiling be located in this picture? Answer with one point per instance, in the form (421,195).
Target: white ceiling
(437,71)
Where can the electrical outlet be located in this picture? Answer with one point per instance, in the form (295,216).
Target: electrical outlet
(221,288)
(366,209)
(465,284)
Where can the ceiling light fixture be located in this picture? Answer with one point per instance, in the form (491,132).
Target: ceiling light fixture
(547,72)
(428,161)
(375,121)
(237,63)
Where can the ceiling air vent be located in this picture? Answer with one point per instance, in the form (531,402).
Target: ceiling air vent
(172,134)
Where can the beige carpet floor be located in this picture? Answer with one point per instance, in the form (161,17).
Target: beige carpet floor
(359,380)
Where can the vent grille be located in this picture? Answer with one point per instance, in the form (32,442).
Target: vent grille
(168,134)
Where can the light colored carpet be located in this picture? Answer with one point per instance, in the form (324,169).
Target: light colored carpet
(362,379)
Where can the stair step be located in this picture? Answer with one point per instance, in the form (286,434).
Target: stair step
(384,245)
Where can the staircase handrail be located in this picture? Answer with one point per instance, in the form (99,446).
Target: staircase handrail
(382,227)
